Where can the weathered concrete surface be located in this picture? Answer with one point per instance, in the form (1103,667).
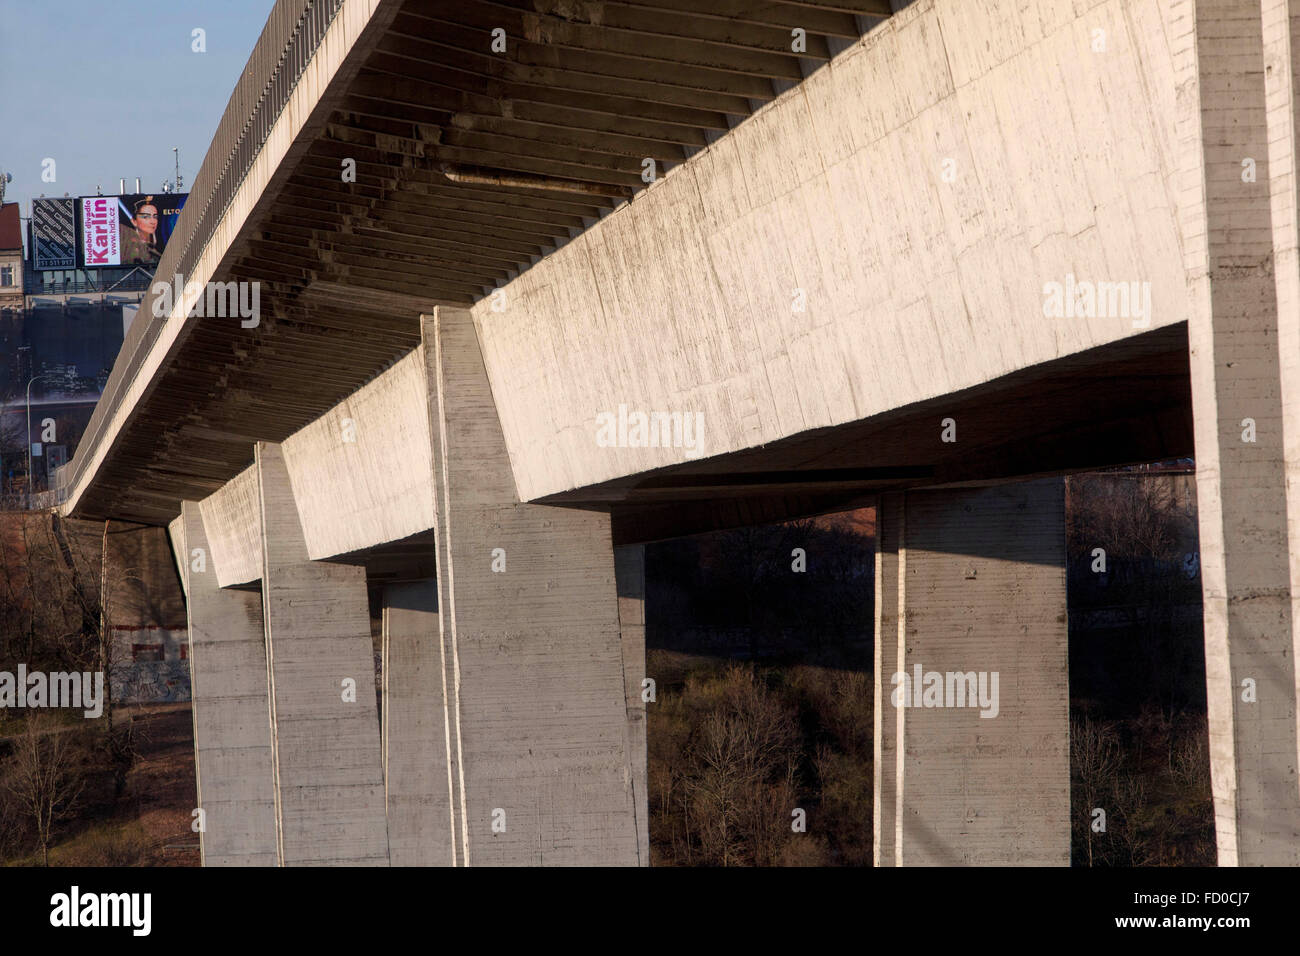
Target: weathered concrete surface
(1064,161)
(360,472)
(417,773)
(329,782)
(232,732)
(534,652)
(1248,486)
(629,575)
(233,516)
(979,576)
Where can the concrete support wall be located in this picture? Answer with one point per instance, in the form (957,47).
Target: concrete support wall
(417,773)
(1246,402)
(232,734)
(973,580)
(533,652)
(328,774)
(629,573)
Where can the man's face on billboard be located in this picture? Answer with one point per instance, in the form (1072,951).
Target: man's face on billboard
(146,220)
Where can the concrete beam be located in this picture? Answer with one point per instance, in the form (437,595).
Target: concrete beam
(233,518)
(972,582)
(417,772)
(533,648)
(329,785)
(360,472)
(841,254)
(232,735)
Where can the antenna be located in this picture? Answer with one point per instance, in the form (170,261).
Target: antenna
(4,179)
(180,185)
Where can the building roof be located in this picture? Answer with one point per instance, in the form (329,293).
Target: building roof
(11,231)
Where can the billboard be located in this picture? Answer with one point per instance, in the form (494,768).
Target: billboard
(100,240)
(54,234)
(130,230)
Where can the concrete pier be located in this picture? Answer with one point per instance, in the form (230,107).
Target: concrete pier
(232,734)
(890,514)
(328,774)
(1246,400)
(532,640)
(417,773)
(629,573)
(979,579)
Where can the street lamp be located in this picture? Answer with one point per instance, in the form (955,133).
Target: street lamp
(30,480)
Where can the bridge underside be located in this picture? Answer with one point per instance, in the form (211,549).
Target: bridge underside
(844,270)
(422,165)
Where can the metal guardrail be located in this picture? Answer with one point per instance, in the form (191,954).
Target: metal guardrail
(199,218)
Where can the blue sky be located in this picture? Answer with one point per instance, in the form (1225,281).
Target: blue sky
(107,89)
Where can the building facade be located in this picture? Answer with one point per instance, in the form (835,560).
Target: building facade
(11,257)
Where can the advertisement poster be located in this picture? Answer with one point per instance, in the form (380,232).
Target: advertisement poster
(145,223)
(129,230)
(54,234)
(100,240)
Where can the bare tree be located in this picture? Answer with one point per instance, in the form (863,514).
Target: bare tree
(1130,800)
(1189,763)
(44,778)
(740,773)
(1095,758)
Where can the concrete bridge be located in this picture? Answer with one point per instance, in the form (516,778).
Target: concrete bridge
(933,257)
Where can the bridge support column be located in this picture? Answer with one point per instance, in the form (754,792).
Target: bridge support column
(232,736)
(1244,338)
(417,773)
(531,640)
(889,528)
(629,572)
(972,730)
(324,718)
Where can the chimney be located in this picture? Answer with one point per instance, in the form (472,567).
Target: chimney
(137,184)
(121,186)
